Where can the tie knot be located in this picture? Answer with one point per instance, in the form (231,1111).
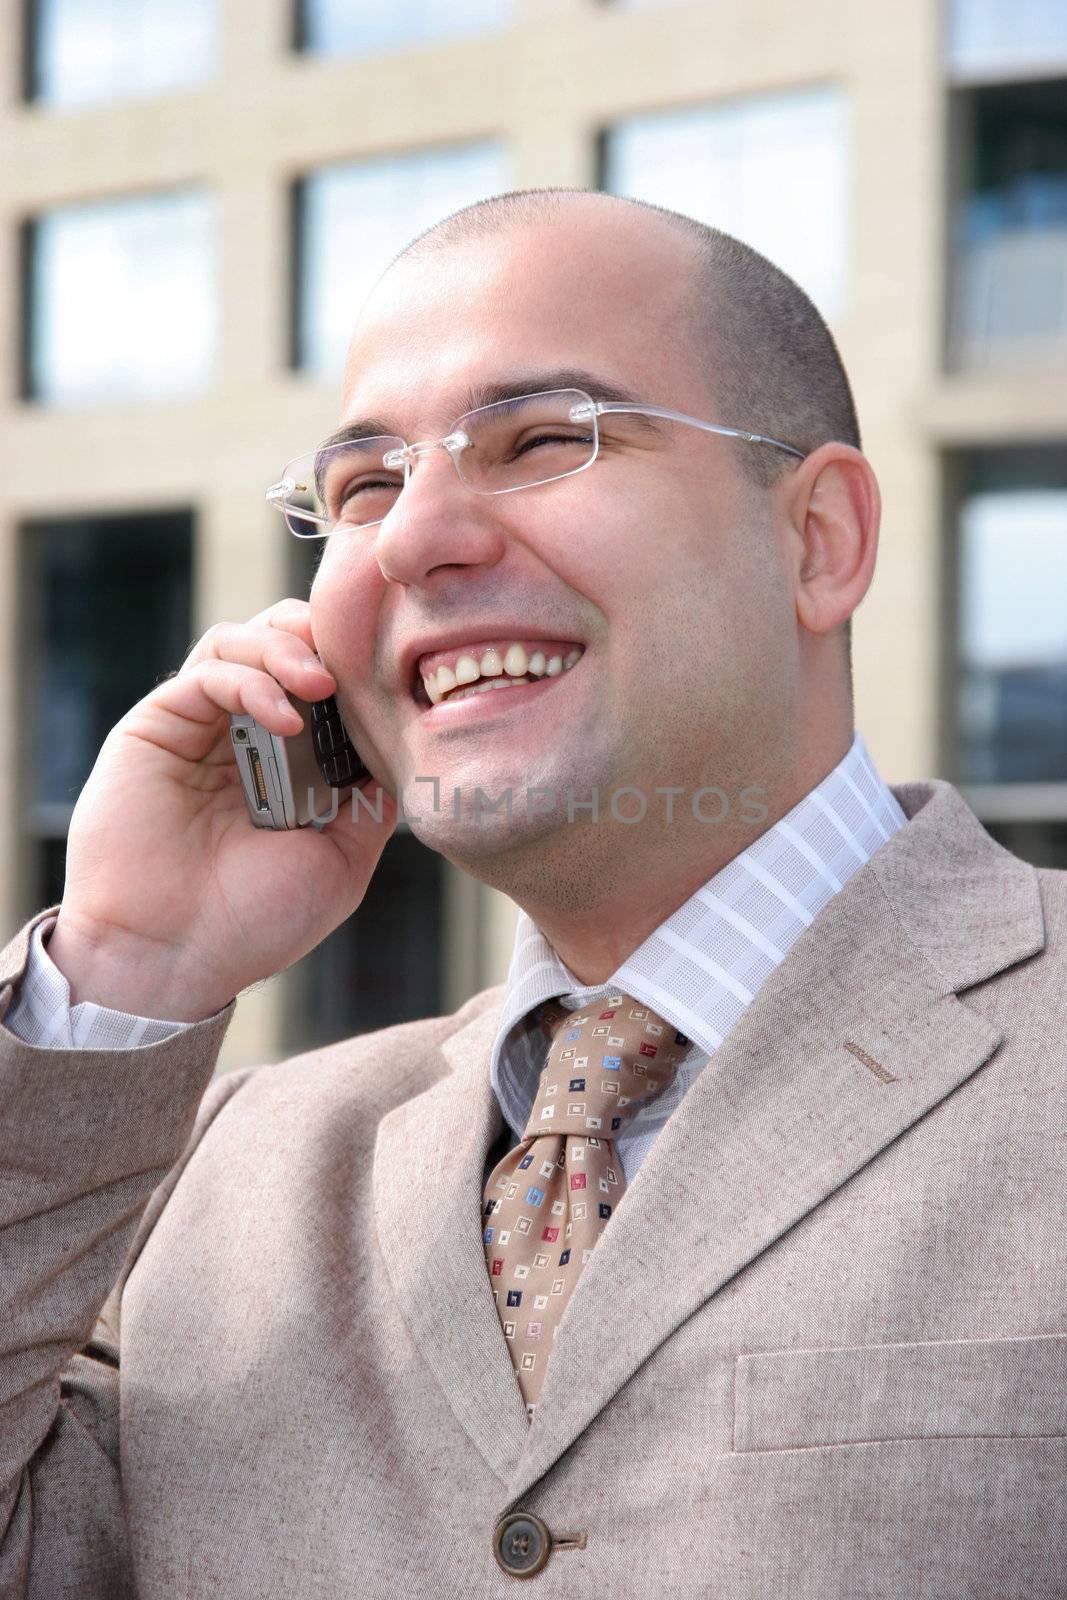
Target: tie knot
(605,1062)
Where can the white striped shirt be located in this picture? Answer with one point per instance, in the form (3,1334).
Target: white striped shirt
(705,964)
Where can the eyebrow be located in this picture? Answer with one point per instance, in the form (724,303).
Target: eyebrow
(513,388)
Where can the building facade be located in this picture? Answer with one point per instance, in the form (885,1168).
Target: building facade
(193,196)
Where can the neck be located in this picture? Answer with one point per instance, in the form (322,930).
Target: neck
(597,892)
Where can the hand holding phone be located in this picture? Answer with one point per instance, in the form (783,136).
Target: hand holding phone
(293,781)
(173,904)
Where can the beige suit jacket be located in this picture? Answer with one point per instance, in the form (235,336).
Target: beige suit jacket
(819,1354)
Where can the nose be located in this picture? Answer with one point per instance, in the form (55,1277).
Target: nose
(437,524)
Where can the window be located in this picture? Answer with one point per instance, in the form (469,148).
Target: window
(383,965)
(751,168)
(1009,276)
(1011,599)
(986,38)
(107,612)
(121,300)
(339,27)
(84,52)
(352,219)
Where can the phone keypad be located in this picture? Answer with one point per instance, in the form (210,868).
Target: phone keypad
(334,751)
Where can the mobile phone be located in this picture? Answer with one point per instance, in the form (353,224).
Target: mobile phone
(291,782)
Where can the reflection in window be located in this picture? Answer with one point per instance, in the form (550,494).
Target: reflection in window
(122,299)
(1012,558)
(1009,285)
(987,36)
(107,613)
(750,167)
(352,219)
(83,52)
(341,27)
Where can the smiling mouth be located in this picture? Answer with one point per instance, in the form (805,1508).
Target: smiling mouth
(505,664)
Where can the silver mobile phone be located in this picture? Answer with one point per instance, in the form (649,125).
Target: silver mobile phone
(291,782)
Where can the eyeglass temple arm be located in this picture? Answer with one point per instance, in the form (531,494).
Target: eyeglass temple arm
(694,422)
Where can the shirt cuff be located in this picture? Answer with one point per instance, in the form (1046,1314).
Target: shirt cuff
(41,1013)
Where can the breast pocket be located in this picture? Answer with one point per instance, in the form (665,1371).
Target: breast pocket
(860,1394)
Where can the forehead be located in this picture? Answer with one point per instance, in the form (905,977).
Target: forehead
(613,300)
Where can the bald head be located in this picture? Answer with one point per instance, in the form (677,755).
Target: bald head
(772,366)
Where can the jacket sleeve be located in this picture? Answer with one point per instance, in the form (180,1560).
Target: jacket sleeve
(86,1137)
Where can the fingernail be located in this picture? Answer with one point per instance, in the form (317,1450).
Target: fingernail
(284,706)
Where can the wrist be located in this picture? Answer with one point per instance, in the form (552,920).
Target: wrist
(129,972)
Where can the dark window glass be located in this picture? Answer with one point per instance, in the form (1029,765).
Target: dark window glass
(50,872)
(1042,843)
(383,965)
(107,613)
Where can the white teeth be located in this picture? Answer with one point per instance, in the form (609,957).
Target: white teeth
(516,666)
(483,685)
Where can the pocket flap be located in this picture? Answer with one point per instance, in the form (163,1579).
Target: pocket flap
(968,1388)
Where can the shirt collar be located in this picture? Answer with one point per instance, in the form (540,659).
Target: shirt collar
(702,966)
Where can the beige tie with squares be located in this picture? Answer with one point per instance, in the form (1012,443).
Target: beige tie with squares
(549,1200)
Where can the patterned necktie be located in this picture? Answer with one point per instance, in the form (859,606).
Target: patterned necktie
(550,1198)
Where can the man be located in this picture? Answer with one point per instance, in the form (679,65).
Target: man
(814,1338)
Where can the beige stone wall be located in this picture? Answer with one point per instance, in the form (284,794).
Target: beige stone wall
(544,87)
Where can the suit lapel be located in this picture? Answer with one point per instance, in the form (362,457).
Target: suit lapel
(784,1114)
(428,1162)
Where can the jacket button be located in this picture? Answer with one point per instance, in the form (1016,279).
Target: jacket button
(522,1544)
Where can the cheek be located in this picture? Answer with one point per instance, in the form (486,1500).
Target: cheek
(345,602)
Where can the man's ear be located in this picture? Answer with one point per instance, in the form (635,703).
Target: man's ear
(834,507)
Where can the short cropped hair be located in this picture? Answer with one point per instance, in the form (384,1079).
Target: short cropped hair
(774,367)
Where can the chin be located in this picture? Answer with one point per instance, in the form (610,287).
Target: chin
(478,834)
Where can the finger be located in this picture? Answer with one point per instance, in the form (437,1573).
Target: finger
(287,657)
(184,714)
(292,614)
(289,616)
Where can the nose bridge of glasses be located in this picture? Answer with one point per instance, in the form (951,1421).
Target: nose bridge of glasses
(408,454)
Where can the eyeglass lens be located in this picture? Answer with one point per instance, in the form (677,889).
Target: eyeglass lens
(513,444)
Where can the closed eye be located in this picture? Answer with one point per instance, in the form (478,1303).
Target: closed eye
(523,446)
(359,495)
